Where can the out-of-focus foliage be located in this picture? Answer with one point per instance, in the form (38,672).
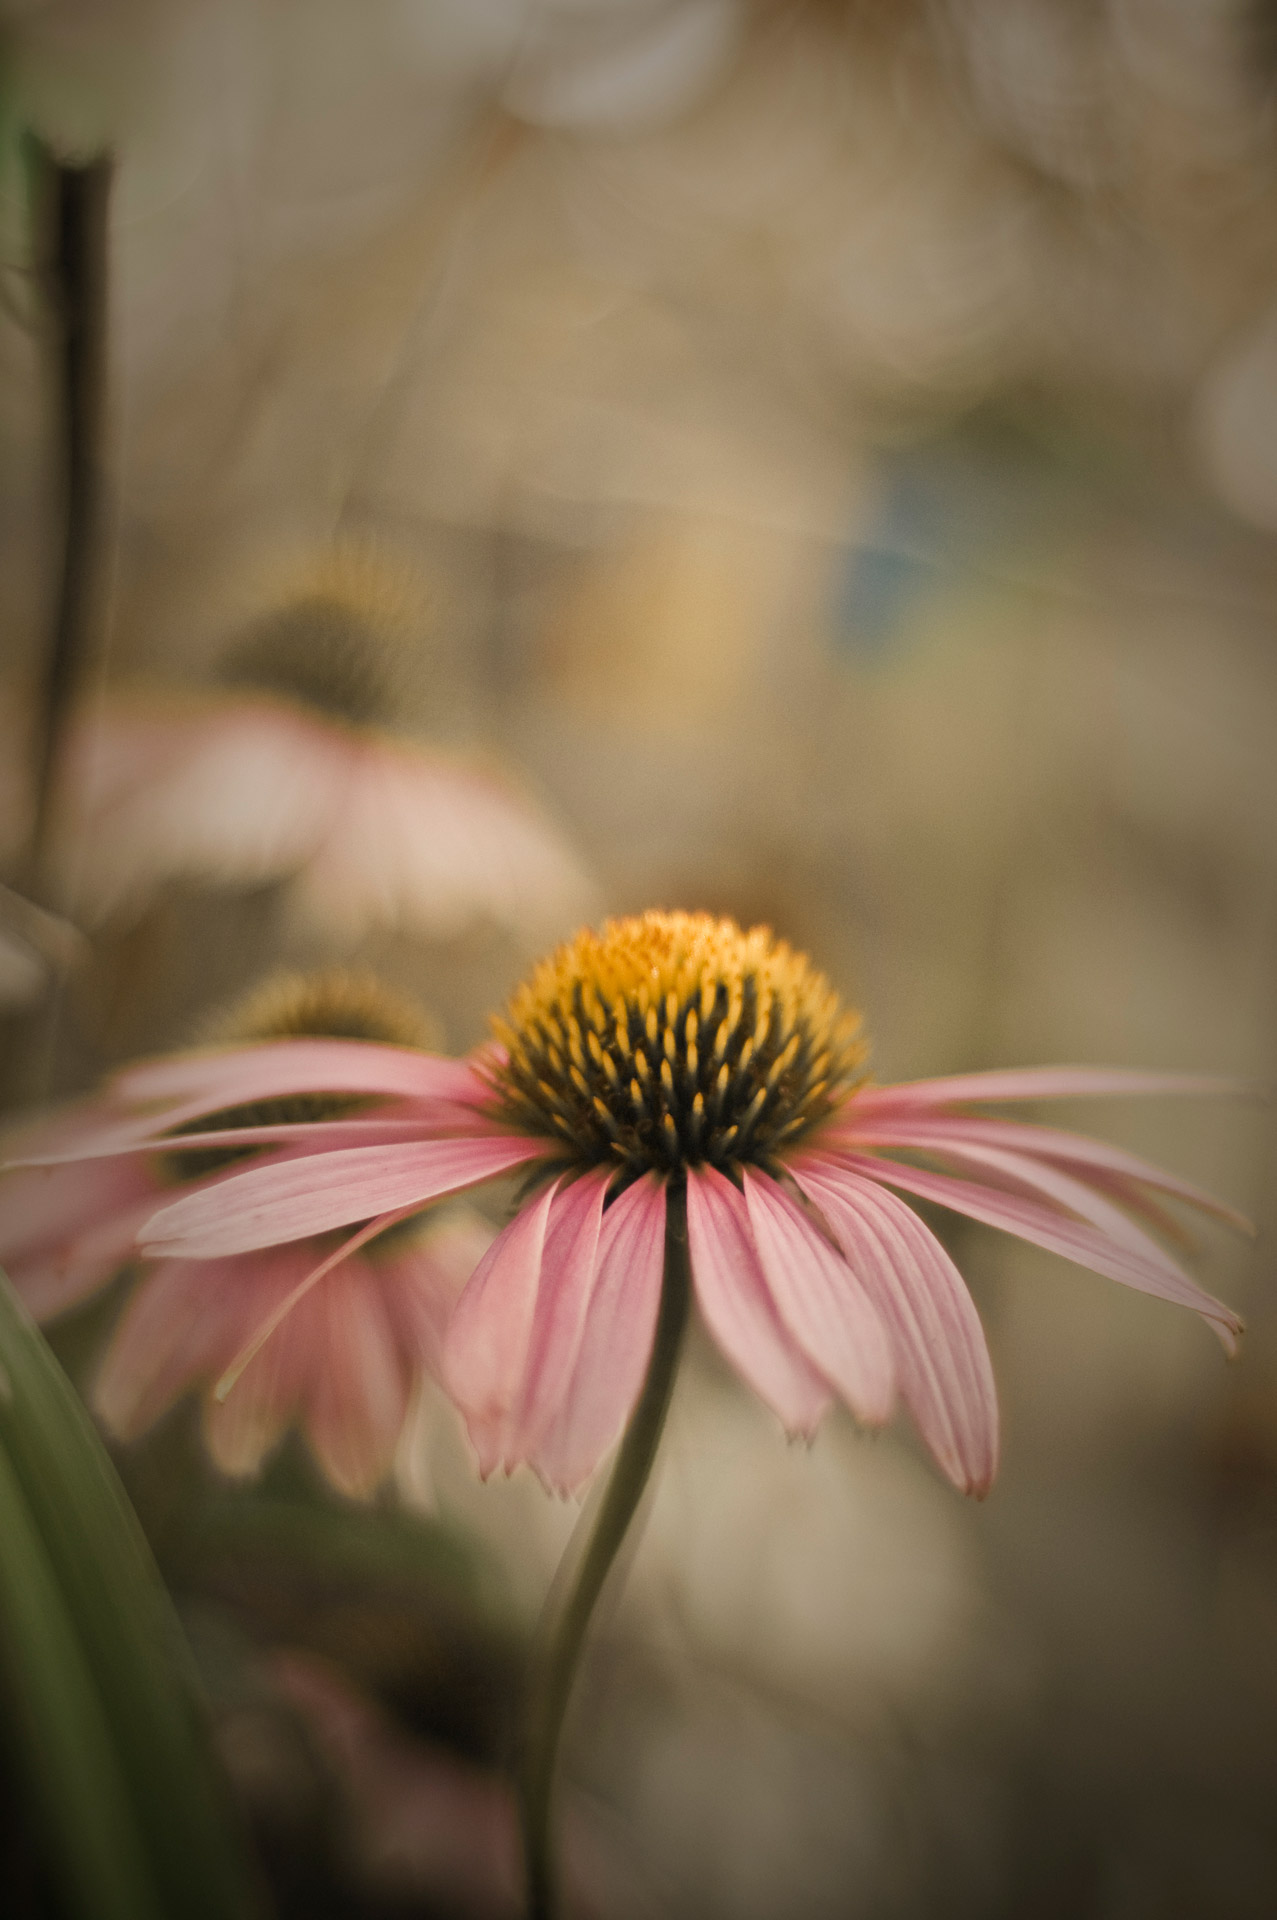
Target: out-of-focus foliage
(102,1720)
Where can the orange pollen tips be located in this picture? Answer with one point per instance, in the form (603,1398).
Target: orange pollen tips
(672,1039)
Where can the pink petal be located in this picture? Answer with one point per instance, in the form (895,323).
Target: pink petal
(616,1341)
(1018,1173)
(234,791)
(137,1139)
(945,1377)
(55,1127)
(1039,1083)
(1135,1199)
(568,1268)
(428,844)
(291,1199)
(67,1231)
(46,1208)
(1030,1220)
(486,1350)
(229,1078)
(821,1302)
(732,1289)
(318,1270)
(425,1281)
(938,1132)
(66,1275)
(354,1377)
(242,1429)
(181,1325)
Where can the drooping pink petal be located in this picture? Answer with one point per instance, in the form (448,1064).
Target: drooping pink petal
(732,1289)
(1020,1173)
(355,1385)
(425,1280)
(1037,1083)
(66,1231)
(234,790)
(63,1276)
(616,1341)
(242,1429)
(42,1208)
(938,1132)
(946,1379)
(821,1301)
(1046,1227)
(136,1139)
(270,1068)
(64,1125)
(319,1269)
(294,1198)
(486,1348)
(182,1323)
(427,843)
(1136,1199)
(568,1268)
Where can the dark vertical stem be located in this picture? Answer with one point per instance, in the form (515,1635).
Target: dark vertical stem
(552,1680)
(71,202)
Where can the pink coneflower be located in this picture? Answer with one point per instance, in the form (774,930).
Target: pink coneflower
(688,1105)
(673,1066)
(361,1331)
(294,770)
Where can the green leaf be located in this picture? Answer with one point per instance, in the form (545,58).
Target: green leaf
(57,1713)
(110,1729)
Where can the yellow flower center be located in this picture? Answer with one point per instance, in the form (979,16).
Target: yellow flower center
(672,1039)
(319,651)
(347,637)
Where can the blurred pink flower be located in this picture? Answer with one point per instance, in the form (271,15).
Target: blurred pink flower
(362,1329)
(425,1825)
(674,1054)
(237,788)
(358,1340)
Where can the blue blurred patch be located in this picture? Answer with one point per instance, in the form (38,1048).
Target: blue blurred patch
(876,592)
(885,579)
(946,512)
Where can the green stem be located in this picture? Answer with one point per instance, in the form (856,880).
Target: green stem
(552,1680)
(70,203)
(75,200)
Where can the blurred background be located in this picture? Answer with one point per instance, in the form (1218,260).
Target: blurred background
(814,460)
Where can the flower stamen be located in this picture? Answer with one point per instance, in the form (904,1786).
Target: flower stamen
(674,1039)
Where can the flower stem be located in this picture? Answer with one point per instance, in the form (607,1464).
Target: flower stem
(75,199)
(552,1679)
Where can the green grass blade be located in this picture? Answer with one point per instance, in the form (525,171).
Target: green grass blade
(83,1534)
(70,1758)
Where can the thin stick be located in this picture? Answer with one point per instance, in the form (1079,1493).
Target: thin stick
(552,1680)
(72,202)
